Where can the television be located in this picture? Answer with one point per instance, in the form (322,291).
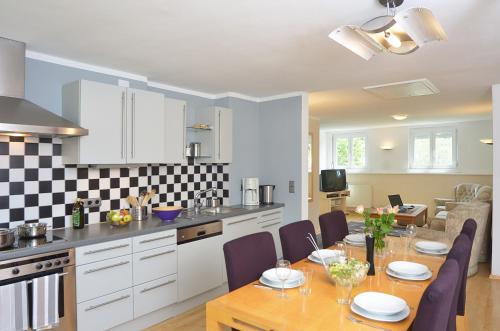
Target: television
(333,180)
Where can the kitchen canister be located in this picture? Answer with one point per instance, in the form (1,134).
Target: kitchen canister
(139,213)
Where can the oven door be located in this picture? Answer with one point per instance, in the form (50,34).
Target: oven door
(67,295)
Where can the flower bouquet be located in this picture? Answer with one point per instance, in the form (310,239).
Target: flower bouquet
(380,225)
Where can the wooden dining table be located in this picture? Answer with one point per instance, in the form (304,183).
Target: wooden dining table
(251,308)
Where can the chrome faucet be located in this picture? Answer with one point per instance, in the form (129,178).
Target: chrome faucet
(197,201)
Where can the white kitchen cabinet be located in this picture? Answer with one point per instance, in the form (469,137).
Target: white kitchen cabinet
(125,125)
(103,277)
(154,240)
(154,263)
(146,127)
(199,266)
(105,312)
(175,131)
(103,251)
(154,295)
(271,221)
(224,135)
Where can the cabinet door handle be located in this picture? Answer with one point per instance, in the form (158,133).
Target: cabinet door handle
(147,289)
(276,212)
(157,254)
(133,124)
(267,221)
(268,225)
(241,221)
(123,125)
(123,297)
(156,239)
(219,137)
(95,251)
(90,271)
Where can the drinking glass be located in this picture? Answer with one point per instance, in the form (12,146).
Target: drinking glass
(405,242)
(342,248)
(305,288)
(283,271)
(343,288)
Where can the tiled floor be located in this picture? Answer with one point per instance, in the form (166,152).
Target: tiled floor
(483,307)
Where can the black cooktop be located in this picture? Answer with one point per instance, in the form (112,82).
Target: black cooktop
(49,238)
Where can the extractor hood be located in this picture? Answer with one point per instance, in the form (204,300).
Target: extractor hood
(19,116)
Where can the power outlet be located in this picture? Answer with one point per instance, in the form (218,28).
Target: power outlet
(91,202)
(291,186)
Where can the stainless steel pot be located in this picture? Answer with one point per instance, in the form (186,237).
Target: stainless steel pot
(213,202)
(32,230)
(6,237)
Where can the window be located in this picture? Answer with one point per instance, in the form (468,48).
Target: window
(349,151)
(433,148)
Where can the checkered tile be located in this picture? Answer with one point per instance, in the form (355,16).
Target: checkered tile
(35,185)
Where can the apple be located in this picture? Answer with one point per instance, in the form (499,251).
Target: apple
(127,218)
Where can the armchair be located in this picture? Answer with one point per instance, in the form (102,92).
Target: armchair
(477,210)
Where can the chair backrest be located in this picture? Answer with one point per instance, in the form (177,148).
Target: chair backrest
(460,252)
(436,302)
(333,227)
(468,229)
(248,257)
(468,192)
(294,244)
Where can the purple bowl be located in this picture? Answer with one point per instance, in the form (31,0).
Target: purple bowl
(167,213)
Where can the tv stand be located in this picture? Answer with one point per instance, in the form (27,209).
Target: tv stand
(330,201)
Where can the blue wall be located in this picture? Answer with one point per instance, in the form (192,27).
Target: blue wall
(266,135)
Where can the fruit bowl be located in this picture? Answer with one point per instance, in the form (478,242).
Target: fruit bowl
(119,217)
(167,213)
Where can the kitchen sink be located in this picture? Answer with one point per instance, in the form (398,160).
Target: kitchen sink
(218,210)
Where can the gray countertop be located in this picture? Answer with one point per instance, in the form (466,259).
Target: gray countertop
(102,232)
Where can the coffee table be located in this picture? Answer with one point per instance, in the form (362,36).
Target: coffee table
(417,215)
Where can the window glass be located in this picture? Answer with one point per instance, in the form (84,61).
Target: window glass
(422,151)
(342,152)
(443,150)
(358,152)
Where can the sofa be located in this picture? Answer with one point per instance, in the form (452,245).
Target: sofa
(464,193)
(455,218)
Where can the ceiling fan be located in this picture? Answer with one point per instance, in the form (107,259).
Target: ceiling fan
(396,32)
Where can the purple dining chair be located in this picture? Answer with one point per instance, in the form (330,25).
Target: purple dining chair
(460,252)
(469,229)
(436,302)
(294,244)
(333,227)
(248,257)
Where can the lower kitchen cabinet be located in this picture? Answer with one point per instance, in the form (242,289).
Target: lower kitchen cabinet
(106,312)
(155,263)
(154,295)
(103,277)
(199,266)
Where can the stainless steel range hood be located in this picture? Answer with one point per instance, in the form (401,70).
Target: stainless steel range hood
(19,116)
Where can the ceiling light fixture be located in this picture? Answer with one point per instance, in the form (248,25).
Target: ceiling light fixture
(400,117)
(398,33)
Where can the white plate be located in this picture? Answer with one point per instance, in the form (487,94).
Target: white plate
(356,238)
(358,244)
(432,252)
(406,268)
(433,246)
(326,254)
(270,275)
(378,303)
(404,277)
(278,285)
(382,318)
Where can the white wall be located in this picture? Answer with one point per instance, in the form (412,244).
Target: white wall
(495,231)
(474,157)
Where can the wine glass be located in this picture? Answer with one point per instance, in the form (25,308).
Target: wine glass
(283,271)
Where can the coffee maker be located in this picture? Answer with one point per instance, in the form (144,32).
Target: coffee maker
(250,191)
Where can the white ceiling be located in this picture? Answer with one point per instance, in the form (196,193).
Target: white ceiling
(262,48)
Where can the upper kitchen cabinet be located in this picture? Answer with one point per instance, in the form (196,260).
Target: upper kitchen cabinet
(175,131)
(125,125)
(213,129)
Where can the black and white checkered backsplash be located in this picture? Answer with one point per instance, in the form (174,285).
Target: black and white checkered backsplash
(36,186)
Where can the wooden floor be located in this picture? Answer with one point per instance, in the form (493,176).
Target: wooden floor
(483,307)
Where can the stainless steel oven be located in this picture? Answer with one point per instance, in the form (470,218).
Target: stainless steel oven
(58,262)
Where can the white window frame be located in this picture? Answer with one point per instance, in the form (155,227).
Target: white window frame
(432,132)
(350,137)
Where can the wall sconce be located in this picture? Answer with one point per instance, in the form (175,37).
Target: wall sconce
(487,141)
(386,147)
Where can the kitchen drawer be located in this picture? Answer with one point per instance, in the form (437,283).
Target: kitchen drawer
(103,251)
(155,263)
(154,295)
(105,312)
(100,278)
(155,240)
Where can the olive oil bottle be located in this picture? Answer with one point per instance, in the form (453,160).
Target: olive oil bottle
(78,214)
